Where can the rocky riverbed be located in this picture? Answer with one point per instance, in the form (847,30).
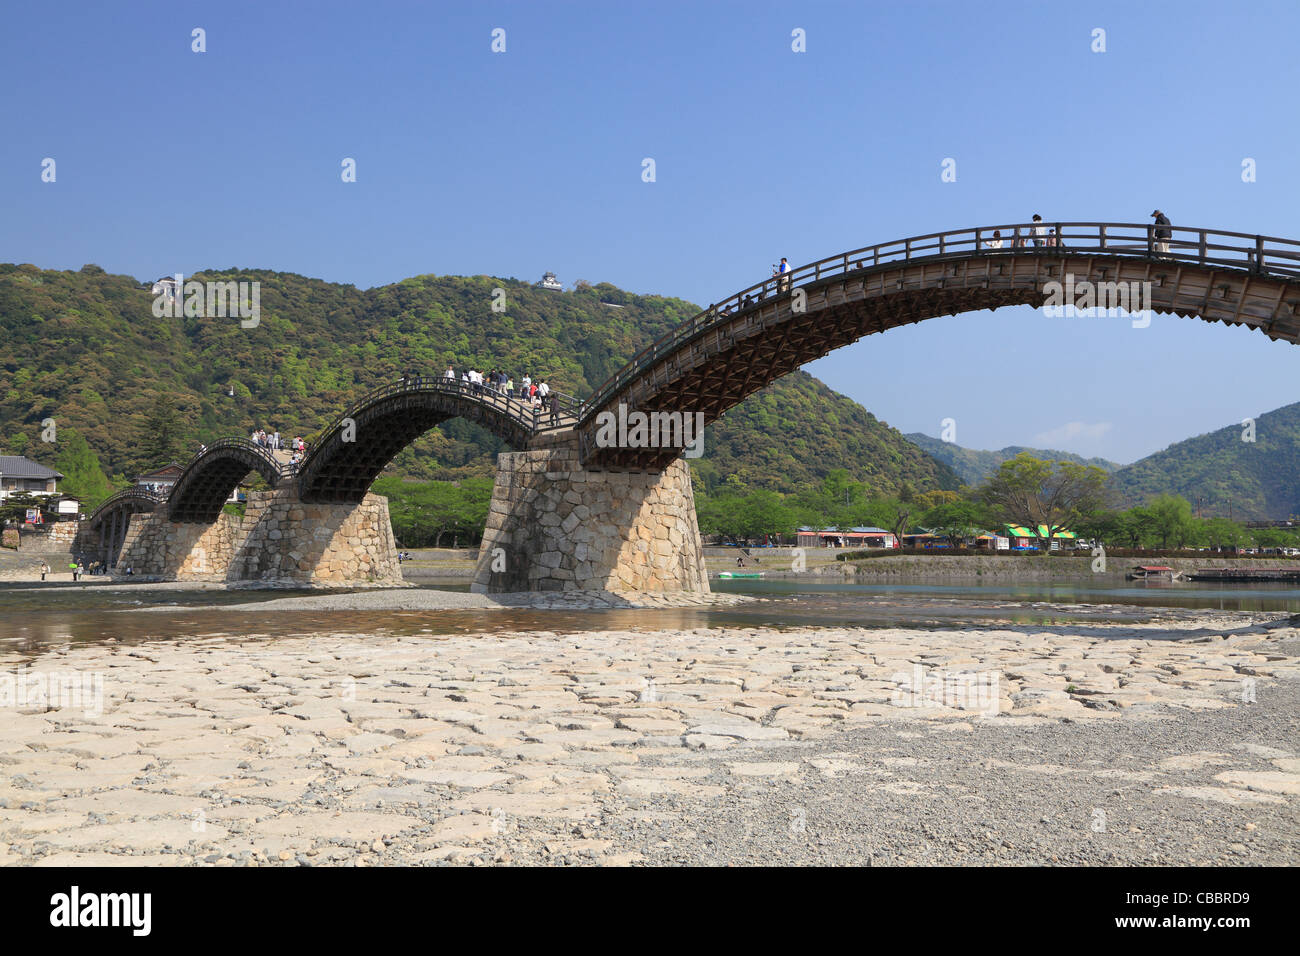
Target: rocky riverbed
(1162,742)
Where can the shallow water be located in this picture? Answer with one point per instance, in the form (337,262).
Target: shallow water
(34,619)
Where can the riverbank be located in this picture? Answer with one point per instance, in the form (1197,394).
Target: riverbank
(1075,745)
(1020,568)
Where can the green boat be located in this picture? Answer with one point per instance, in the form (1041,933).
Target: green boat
(740,574)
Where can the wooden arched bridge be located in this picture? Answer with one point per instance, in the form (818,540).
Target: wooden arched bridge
(732,349)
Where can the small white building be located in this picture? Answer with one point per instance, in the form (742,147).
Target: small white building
(550,282)
(64,505)
(166,286)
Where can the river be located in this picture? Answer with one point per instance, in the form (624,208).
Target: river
(34,619)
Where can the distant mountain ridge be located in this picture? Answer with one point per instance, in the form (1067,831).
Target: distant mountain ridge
(1222,474)
(973,465)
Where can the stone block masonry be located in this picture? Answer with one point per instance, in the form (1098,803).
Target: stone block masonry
(278,541)
(57,537)
(156,547)
(556,526)
(290,542)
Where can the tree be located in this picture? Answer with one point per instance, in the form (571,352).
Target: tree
(14,508)
(955,520)
(79,465)
(1137,526)
(764,513)
(160,439)
(1273,538)
(1171,517)
(1100,525)
(1220,533)
(1032,492)
(930,500)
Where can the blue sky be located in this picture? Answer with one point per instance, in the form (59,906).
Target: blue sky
(472,162)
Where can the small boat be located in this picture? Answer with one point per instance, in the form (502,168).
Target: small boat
(1246,574)
(741,574)
(1148,572)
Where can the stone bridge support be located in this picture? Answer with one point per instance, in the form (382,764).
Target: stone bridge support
(156,547)
(333,545)
(278,541)
(556,526)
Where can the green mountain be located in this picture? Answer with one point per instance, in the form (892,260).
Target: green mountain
(1223,475)
(973,465)
(85,349)
(785,436)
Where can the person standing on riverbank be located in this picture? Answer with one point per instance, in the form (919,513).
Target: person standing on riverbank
(45,569)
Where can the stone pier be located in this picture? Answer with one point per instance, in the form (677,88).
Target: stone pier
(279,540)
(556,526)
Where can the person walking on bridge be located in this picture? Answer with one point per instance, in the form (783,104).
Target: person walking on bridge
(1040,231)
(783,272)
(1162,233)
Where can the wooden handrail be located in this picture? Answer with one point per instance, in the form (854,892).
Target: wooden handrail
(1258,254)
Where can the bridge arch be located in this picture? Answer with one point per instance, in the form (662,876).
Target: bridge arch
(716,359)
(103,533)
(212,475)
(354,449)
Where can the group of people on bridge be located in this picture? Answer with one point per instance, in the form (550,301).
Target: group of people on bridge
(1041,236)
(272,441)
(534,393)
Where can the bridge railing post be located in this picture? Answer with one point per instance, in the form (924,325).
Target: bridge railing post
(1151,239)
(1101,236)
(1259,253)
(1201,247)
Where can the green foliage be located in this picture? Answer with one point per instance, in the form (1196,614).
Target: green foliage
(1029,491)
(160,437)
(736,511)
(955,520)
(1171,521)
(13,510)
(1168,523)
(797,431)
(85,348)
(433,514)
(79,466)
(1224,475)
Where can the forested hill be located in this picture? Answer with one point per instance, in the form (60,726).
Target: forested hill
(85,349)
(1223,475)
(974,465)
